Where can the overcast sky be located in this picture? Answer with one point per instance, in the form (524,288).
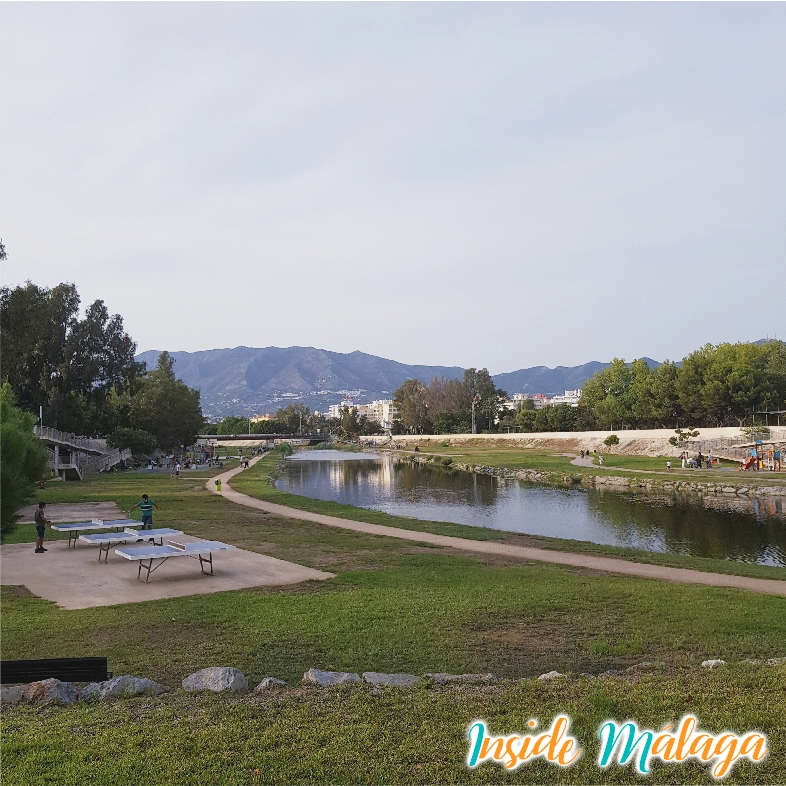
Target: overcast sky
(500,185)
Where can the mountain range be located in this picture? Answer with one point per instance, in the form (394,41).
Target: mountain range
(247,380)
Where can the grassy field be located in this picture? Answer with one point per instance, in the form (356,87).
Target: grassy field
(393,606)
(615,464)
(359,736)
(257,482)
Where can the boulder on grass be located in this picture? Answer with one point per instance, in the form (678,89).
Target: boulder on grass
(550,675)
(217,679)
(327,678)
(269,683)
(12,695)
(390,680)
(711,664)
(121,688)
(49,692)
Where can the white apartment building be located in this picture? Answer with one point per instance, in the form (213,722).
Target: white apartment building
(569,397)
(382,411)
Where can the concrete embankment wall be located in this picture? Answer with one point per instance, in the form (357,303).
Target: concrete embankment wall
(643,442)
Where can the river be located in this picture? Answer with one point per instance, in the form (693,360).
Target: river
(633,520)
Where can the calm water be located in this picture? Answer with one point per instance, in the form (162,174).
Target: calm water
(666,524)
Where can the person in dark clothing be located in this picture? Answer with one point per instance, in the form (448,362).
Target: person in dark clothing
(40,527)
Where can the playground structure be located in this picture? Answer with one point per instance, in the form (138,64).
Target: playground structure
(764,456)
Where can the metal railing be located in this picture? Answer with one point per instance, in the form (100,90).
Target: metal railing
(85,464)
(732,447)
(47,434)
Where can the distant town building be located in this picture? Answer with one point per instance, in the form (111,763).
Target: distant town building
(260,418)
(541,400)
(382,411)
(570,397)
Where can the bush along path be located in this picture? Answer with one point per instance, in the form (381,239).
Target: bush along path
(606,564)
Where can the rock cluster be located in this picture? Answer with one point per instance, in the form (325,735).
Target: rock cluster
(224,679)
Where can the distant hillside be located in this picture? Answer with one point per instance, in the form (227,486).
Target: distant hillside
(241,380)
(542,379)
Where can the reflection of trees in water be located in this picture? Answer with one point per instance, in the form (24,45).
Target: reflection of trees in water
(691,528)
(745,530)
(468,488)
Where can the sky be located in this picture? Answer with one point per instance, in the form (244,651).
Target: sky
(492,185)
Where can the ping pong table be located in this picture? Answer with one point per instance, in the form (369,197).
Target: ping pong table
(74,530)
(147,555)
(106,540)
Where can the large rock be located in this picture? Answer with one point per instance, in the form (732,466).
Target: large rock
(268,684)
(440,678)
(12,695)
(218,679)
(550,675)
(121,688)
(711,664)
(391,680)
(327,678)
(49,692)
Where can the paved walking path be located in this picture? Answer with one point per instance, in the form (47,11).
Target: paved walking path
(609,564)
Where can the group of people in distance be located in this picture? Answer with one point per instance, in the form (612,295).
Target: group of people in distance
(689,462)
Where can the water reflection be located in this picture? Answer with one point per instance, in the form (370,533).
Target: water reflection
(713,527)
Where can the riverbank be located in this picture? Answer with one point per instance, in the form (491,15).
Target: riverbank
(394,606)
(642,473)
(258,482)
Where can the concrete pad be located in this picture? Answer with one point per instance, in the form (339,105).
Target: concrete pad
(62,512)
(74,578)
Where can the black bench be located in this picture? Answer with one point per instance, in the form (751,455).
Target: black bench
(65,669)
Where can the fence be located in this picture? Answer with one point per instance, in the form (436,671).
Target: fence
(732,447)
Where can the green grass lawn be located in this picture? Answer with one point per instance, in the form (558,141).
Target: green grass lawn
(359,736)
(615,464)
(393,606)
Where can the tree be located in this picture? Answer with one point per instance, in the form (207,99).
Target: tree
(141,443)
(294,417)
(350,424)
(410,401)
(526,418)
(611,440)
(447,423)
(489,398)
(725,383)
(68,366)
(443,396)
(23,460)
(167,408)
(233,424)
(682,438)
(664,399)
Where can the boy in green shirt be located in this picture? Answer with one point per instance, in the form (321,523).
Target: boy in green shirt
(146,506)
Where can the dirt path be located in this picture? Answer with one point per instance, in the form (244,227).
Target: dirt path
(608,564)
